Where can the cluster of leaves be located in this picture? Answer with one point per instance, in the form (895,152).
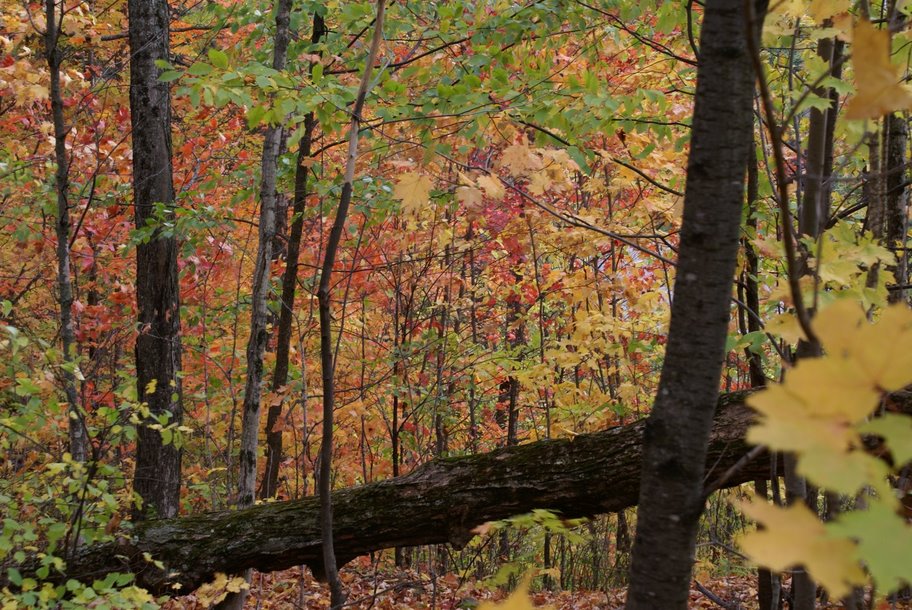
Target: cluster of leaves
(51,504)
(822,413)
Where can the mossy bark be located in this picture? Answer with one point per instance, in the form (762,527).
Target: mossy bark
(440,502)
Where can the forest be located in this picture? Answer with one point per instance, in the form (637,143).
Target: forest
(455,304)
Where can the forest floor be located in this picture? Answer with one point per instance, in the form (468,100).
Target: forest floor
(410,590)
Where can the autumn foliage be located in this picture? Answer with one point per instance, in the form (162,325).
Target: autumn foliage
(505,274)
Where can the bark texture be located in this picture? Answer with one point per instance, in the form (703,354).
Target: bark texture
(158,349)
(259,314)
(678,429)
(270,484)
(439,502)
(79,442)
(324,294)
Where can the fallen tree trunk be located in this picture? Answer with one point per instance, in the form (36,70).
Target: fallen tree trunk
(439,502)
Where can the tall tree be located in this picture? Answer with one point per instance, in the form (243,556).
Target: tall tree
(289,286)
(259,332)
(327,358)
(677,431)
(77,430)
(158,346)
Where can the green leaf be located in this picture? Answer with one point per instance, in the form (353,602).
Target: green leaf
(218,58)
(170,75)
(884,542)
(896,429)
(255,116)
(15,577)
(199,69)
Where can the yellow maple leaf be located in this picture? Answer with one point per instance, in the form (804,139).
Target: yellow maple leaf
(789,424)
(785,325)
(413,190)
(470,197)
(518,600)
(821,10)
(795,536)
(835,388)
(787,8)
(877,80)
(519,160)
(492,186)
(877,351)
(539,183)
(883,349)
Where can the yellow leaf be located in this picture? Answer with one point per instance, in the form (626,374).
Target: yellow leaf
(786,326)
(878,351)
(795,536)
(789,424)
(492,186)
(877,80)
(413,190)
(470,197)
(821,10)
(519,160)
(150,387)
(539,183)
(835,388)
(787,8)
(518,600)
(883,349)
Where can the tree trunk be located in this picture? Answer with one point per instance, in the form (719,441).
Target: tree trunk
(327,359)
(677,431)
(158,349)
(79,442)
(289,285)
(441,501)
(896,219)
(259,333)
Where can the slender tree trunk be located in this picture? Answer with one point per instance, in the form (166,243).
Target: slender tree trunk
(813,215)
(77,430)
(677,431)
(259,334)
(158,348)
(289,285)
(896,181)
(751,270)
(259,314)
(337,598)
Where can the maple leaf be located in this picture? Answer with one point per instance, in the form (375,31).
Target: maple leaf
(821,10)
(897,431)
(492,187)
(413,190)
(470,197)
(884,540)
(877,80)
(877,350)
(795,536)
(519,160)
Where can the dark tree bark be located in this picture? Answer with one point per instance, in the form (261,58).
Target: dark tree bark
(289,285)
(677,431)
(327,359)
(78,436)
(896,221)
(441,501)
(158,349)
(259,333)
